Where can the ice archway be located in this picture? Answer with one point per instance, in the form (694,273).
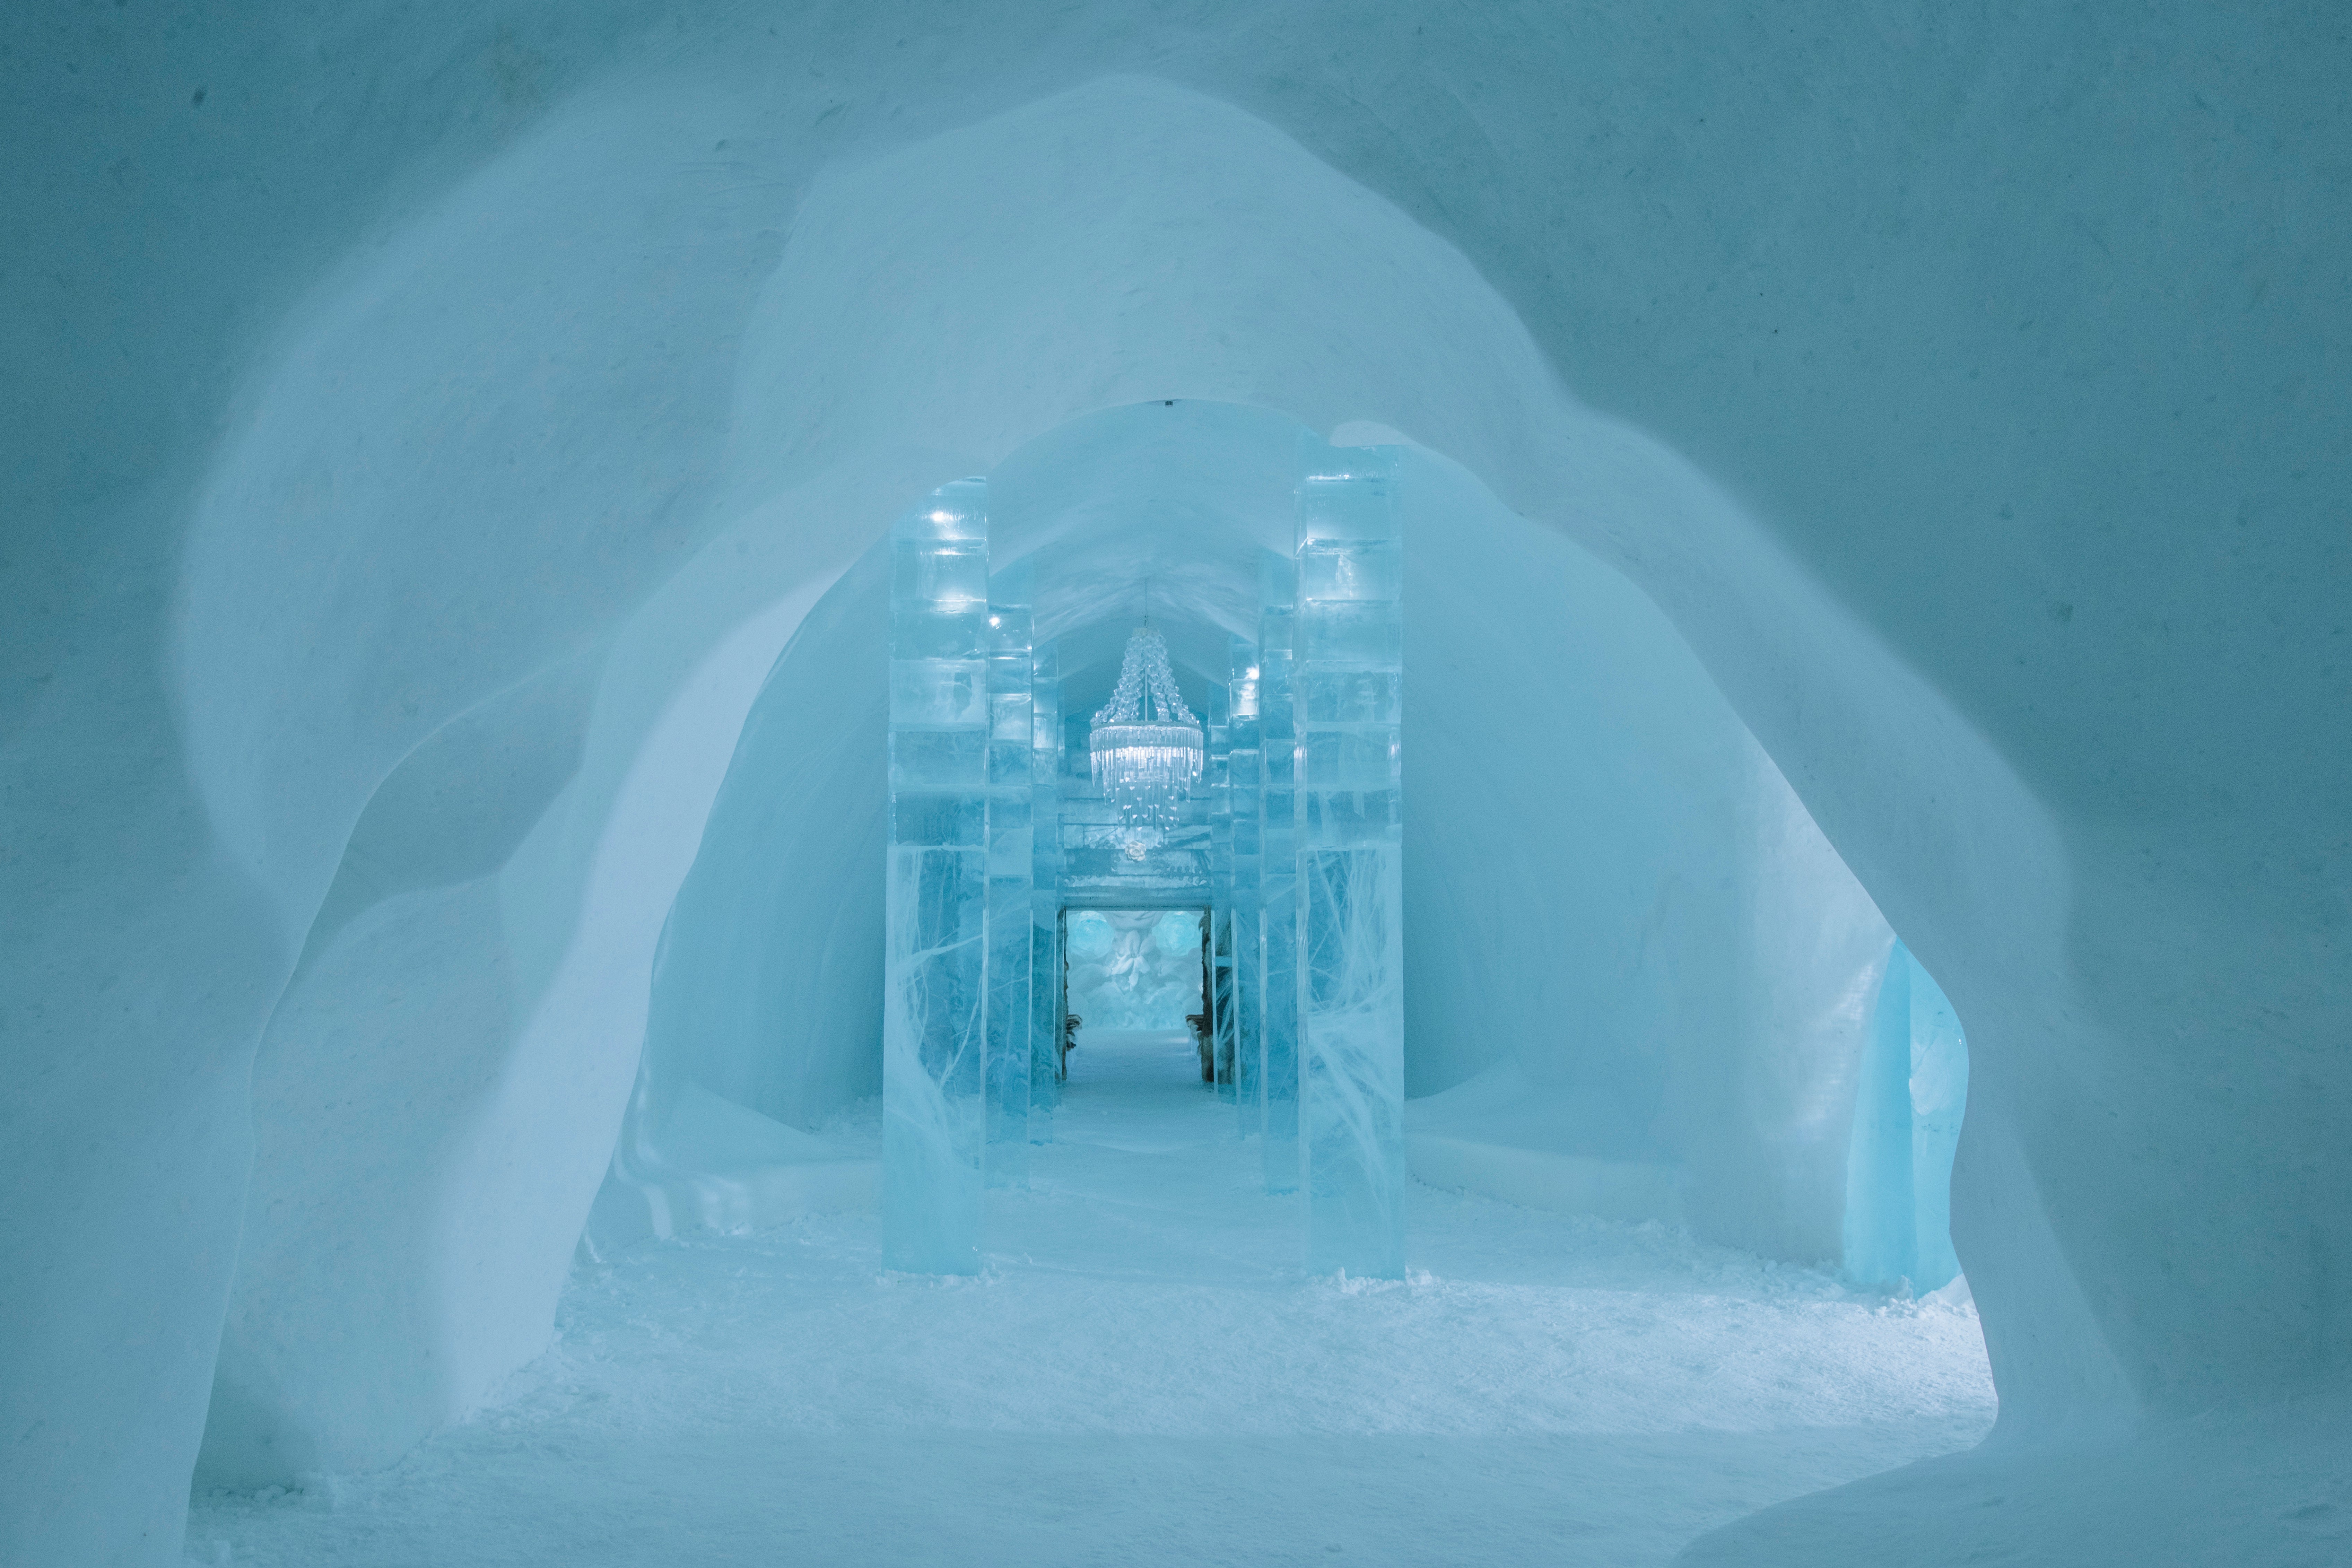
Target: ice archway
(1130,238)
(557,592)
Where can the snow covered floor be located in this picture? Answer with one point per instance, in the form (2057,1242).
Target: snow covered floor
(1143,1376)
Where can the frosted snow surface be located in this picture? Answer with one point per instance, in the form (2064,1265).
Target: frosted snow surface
(1142,1375)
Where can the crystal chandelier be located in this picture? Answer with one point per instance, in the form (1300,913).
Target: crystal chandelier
(1146,745)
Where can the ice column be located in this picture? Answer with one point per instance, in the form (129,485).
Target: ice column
(1244,772)
(935,974)
(1046,1003)
(1348,704)
(1277,876)
(1216,780)
(1939,1094)
(1880,1214)
(1012,870)
(1913,1087)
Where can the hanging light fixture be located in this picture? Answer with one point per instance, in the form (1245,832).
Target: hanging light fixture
(1146,745)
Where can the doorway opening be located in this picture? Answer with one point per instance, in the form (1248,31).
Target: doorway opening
(1138,990)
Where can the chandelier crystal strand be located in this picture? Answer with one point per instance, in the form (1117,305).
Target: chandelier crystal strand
(1145,745)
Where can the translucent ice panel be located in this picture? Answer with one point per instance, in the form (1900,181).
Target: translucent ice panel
(1245,781)
(1331,572)
(1045,1001)
(1349,633)
(1346,711)
(934,974)
(1939,1095)
(1011,870)
(944,818)
(938,759)
(942,579)
(1906,1125)
(1217,783)
(935,1004)
(946,692)
(1278,962)
(1352,1058)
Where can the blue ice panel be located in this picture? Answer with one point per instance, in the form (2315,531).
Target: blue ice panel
(1908,1102)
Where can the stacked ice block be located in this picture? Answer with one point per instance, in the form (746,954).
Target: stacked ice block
(936,953)
(1347,697)
(1245,779)
(1045,1005)
(1278,902)
(1012,871)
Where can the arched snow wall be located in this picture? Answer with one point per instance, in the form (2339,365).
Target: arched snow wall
(2022,335)
(832,413)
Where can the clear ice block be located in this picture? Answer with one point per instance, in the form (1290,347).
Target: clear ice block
(1245,780)
(1045,1001)
(935,973)
(1347,692)
(1909,1100)
(1012,874)
(1278,875)
(1217,786)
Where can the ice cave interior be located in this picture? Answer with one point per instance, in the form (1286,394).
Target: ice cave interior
(1877,849)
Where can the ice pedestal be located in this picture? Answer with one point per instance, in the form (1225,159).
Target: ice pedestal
(935,973)
(1347,706)
(1277,886)
(1012,874)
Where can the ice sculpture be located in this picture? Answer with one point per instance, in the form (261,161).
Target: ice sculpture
(1277,878)
(1906,1125)
(1012,871)
(1348,701)
(1244,773)
(1135,968)
(935,966)
(1091,938)
(1045,1006)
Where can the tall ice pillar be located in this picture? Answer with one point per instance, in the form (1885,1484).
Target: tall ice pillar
(1277,877)
(1012,874)
(1348,700)
(1218,952)
(935,956)
(1045,1002)
(1245,780)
